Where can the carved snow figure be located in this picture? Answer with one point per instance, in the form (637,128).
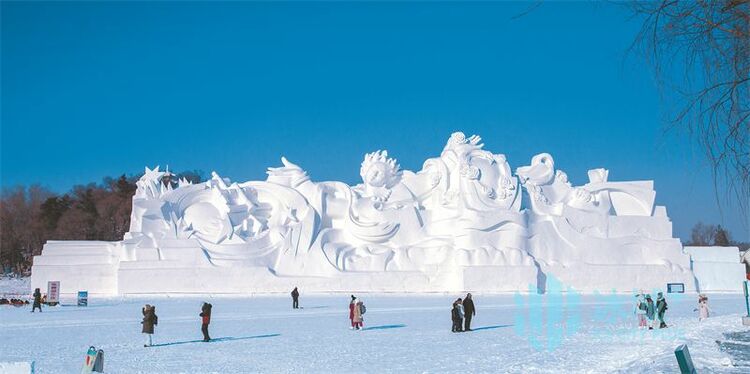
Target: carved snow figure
(581,234)
(455,225)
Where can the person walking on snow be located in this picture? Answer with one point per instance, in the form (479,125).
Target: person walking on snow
(703,309)
(356,307)
(37,301)
(352,304)
(650,311)
(661,308)
(295,298)
(149,321)
(469,311)
(205,320)
(640,311)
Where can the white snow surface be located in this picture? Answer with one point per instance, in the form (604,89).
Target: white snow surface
(406,333)
(13,287)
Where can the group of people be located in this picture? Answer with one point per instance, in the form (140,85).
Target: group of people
(647,311)
(357,309)
(13,301)
(462,313)
(150,320)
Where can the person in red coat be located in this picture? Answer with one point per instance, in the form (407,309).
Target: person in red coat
(352,306)
(206,319)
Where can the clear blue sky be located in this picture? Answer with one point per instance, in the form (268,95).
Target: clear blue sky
(97,89)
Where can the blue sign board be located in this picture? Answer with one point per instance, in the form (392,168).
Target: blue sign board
(675,287)
(83,298)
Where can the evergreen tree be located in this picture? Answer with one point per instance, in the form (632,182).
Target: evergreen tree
(721,238)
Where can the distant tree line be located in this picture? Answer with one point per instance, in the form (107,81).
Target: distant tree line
(29,216)
(712,235)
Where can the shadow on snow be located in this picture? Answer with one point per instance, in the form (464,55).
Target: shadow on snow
(225,339)
(383,327)
(490,327)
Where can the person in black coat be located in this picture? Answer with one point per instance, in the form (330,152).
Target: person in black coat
(205,320)
(469,311)
(295,298)
(37,301)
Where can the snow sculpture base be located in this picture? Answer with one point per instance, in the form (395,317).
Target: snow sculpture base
(78,265)
(621,278)
(456,225)
(717,269)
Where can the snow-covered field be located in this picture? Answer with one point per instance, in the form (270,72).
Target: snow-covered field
(404,333)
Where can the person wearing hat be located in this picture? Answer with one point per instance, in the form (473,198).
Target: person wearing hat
(37,301)
(661,308)
(650,311)
(149,321)
(295,298)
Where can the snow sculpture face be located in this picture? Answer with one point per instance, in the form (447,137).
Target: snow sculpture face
(376,175)
(465,171)
(379,171)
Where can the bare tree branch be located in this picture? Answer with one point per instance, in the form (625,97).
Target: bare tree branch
(710,41)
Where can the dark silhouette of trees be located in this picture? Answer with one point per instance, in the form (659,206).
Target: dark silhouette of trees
(703,235)
(31,216)
(721,238)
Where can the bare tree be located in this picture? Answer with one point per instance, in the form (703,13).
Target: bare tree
(702,234)
(710,42)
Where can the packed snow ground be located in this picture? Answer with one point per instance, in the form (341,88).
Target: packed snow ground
(404,333)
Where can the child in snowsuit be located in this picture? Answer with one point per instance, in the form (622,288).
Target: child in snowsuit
(650,311)
(37,301)
(295,298)
(149,321)
(703,309)
(206,319)
(640,311)
(661,308)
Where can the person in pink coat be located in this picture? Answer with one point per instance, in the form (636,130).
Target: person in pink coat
(703,309)
(355,313)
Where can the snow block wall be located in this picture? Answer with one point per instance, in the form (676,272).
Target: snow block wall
(717,269)
(456,225)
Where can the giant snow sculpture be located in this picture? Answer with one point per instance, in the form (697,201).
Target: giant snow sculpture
(458,224)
